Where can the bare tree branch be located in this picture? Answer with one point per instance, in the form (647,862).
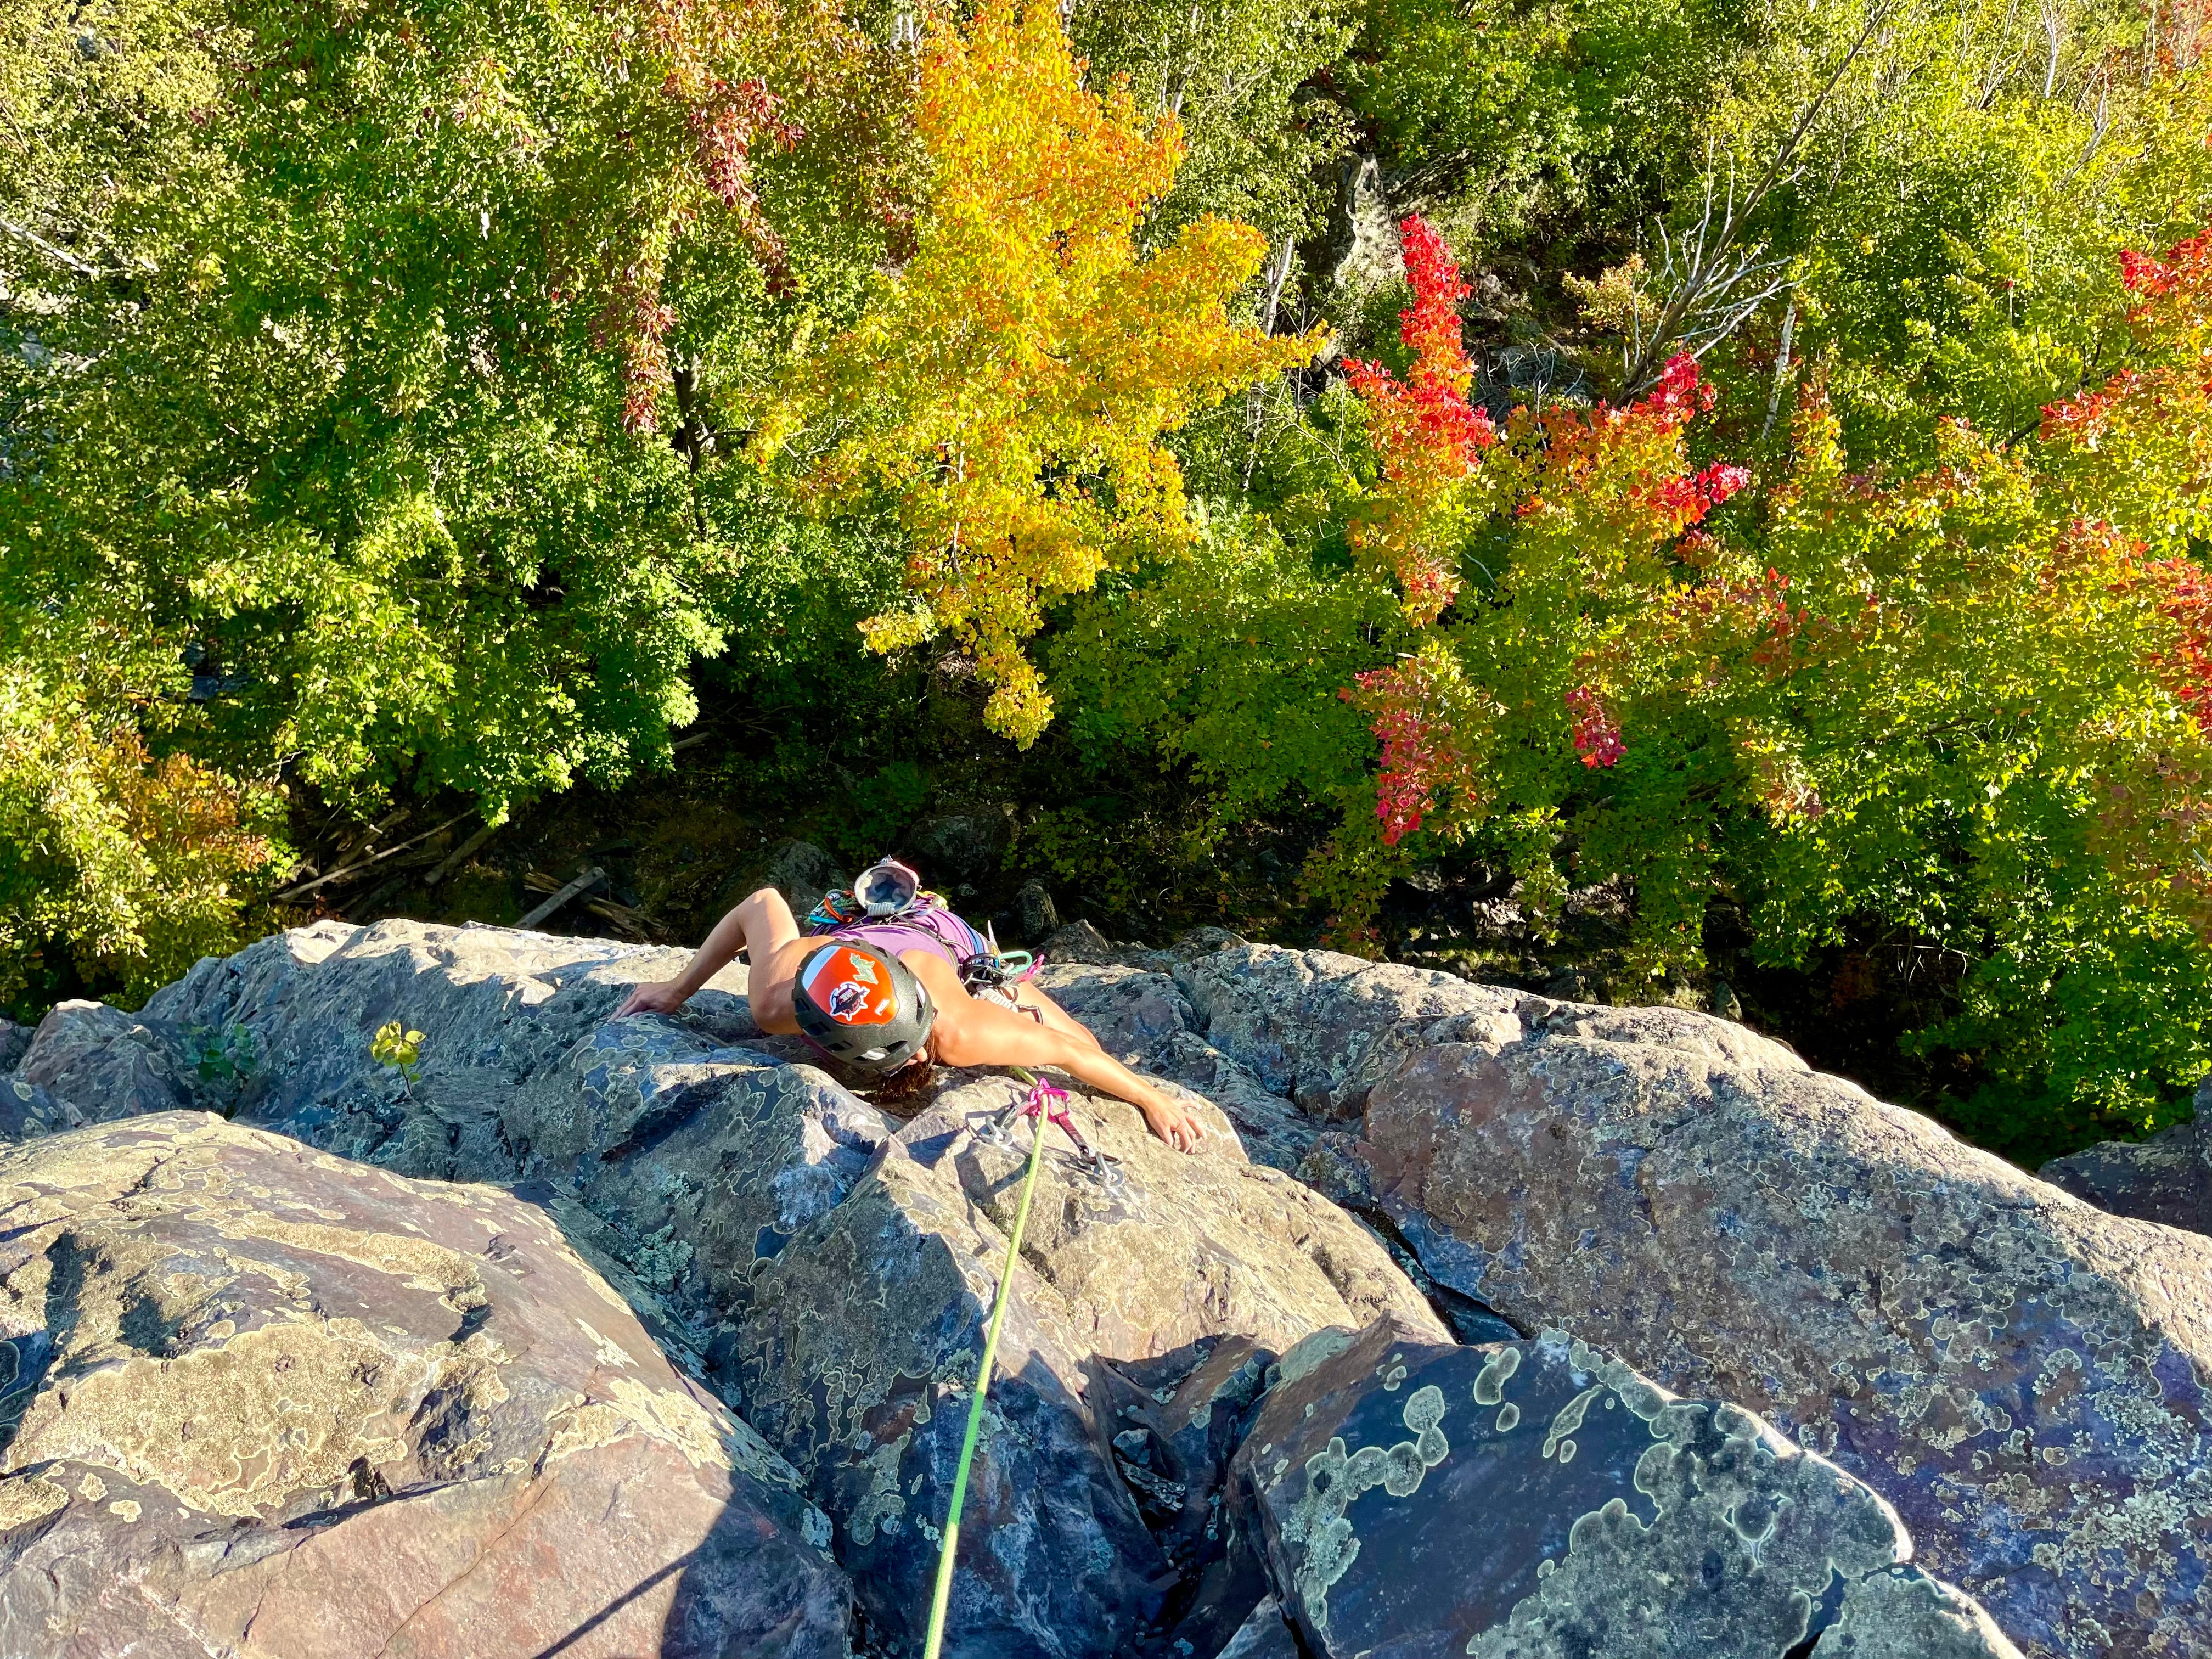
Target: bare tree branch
(1708,271)
(62,257)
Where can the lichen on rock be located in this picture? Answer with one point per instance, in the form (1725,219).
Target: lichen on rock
(1680,1527)
(267,1401)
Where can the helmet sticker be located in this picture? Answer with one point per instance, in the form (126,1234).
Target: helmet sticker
(849,985)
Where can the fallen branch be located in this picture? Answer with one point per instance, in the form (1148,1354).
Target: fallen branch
(63,256)
(592,878)
(356,869)
(466,850)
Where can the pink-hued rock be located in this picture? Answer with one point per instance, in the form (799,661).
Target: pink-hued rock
(260,1401)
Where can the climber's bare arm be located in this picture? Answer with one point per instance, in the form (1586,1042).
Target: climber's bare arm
(763,925)
(1053,1015)
(972,1032)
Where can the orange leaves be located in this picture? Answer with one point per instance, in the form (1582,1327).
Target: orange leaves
(1007,390)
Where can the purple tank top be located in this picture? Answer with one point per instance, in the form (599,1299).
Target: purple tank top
(926,929)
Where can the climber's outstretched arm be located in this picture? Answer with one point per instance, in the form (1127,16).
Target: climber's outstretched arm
(969,1031)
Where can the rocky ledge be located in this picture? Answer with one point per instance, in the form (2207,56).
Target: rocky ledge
(1490,1325)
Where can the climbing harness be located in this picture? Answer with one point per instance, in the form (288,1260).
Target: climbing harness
(993,974)
(1034,1107)
(889,891)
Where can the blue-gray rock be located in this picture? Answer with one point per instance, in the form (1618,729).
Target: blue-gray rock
(1539,1499)
(105,1064)
(830,1268)
(798,870)
(262,1402)
(857,1357)
(2166,1178)
(1265,1635)
(2023,1377)
(1178,1248)
(955,848)
(1141,1017)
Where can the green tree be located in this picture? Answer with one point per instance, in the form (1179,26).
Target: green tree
(1236,75)
(335,345)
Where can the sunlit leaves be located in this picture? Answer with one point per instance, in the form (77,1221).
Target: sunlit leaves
(131,864)
(1008,388)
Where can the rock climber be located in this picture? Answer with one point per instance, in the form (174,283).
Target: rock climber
(886,978)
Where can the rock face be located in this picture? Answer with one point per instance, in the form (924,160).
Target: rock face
(2022,1377)
(99,1064)
(265,1401)
(1142,1017)
(2167,1179)
(1538,1500)
(959,847)
(2018,1376)
(1035,916)
(798,870)
(830,1267)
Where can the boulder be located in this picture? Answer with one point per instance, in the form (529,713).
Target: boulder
(27,1110)
(1035,914)
(832,1266)
(13,1040)
(2166,1178)
(102,1064)
(266,1401)
(1539,1499)
(1142,1017)
(2022,1377)
(1304,1022)
(1179,1251)
(857,1357)
(1178,1247)
(798,870)
(958,848)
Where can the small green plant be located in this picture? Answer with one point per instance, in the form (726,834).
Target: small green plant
(398,1047)
(224,1058)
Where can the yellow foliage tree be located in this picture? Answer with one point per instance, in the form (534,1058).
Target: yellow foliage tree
(136,864)
(1007,390)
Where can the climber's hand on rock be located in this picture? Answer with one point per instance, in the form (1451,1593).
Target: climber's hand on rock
(1173,1122)
(662,996)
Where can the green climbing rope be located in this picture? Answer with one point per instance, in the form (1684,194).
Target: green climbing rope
(943,1595)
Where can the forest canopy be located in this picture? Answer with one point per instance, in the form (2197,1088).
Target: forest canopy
(1743,456)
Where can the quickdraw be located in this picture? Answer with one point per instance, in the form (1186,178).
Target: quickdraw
(994,973)
(999,1131)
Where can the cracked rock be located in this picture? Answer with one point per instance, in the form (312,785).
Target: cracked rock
(264,1401)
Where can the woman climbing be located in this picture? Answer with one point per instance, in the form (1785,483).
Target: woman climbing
(880,980)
